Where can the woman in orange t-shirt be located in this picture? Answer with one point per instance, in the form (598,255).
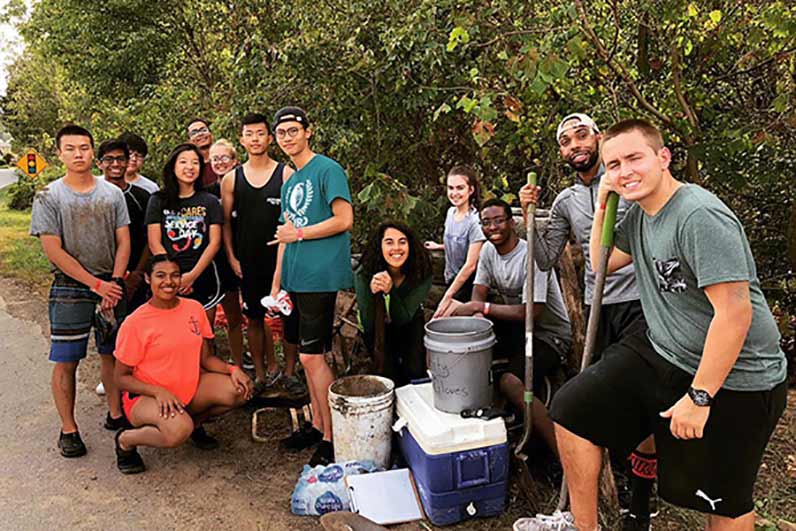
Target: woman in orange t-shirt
(170,380)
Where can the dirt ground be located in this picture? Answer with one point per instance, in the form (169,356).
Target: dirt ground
(244,485)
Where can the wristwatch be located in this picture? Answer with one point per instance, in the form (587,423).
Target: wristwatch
(700,397)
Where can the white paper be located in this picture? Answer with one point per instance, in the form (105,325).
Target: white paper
(384,497)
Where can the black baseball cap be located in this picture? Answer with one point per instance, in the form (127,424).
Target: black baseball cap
(290,114)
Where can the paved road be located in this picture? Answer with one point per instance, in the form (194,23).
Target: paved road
(8,177)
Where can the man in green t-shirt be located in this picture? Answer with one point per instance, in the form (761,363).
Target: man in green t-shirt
(313,263)
(707,379)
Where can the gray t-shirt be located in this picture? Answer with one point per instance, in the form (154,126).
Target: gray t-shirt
(505,274)
(146,183)
(85,222)
(458,237)
(696,241)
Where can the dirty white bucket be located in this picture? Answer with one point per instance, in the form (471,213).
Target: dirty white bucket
(362,415)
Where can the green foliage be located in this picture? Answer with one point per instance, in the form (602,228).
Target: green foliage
(400,90)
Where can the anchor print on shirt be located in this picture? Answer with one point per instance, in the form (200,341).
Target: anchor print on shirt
(700,494)
(670,278)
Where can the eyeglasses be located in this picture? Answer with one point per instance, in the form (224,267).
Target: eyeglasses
(111,160)
(198,131)
(137,156)
(290,132)
(222,159)
(494,222)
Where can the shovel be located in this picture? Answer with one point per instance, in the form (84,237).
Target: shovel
(606,243)
(520,458)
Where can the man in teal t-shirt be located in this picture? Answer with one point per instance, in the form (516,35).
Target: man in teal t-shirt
(708,378)
(313,263)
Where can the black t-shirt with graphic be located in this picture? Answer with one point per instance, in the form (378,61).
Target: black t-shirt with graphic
(185,230)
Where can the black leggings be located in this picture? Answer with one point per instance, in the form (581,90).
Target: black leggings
(405,356)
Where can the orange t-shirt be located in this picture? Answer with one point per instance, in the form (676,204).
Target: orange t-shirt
(164,347)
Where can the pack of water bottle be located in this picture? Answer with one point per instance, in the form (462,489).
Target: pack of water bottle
(322,489)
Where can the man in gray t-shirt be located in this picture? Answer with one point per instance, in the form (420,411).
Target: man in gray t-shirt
(708,379)
(502,271)
(82,224)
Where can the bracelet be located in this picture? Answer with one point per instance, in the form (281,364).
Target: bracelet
(231,368)
(603,205)
(97,285)
(486,308)
(300,234)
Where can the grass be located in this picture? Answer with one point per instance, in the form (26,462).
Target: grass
(21,255)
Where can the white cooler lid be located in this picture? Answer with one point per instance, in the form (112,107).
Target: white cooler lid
(441,433)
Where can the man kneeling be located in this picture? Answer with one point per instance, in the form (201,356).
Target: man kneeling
(170,380)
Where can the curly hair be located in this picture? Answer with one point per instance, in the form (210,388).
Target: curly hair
(418,264)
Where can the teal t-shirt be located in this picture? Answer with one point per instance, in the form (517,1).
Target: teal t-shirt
(312,266)
(696,241)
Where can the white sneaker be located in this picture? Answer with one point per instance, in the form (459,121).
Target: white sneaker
(100,389)
(557,521)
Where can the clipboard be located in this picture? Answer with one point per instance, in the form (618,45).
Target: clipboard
(388,497)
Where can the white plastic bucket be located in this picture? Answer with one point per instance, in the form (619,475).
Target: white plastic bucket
(362,415)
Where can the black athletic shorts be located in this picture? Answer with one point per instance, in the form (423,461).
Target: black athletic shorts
(229,280)
(255,284)
(311,323)
(616,404)
(616,321)
(546,360)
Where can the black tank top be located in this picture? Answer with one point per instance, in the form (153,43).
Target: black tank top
(257,213)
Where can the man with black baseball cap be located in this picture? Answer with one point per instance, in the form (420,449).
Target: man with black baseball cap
(578,139)
(313,264)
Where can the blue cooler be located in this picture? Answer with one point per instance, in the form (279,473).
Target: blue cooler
(461,466)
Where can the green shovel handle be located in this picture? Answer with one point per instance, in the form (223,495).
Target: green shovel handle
(609,221)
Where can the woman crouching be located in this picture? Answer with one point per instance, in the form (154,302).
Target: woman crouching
(170,380)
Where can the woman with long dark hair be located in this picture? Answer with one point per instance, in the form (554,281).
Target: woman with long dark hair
(392,284)
(185,222)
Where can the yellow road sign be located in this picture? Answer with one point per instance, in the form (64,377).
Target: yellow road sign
(31,163)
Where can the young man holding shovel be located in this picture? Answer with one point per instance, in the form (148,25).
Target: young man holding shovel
(573,212)
(710,358)
(313,264)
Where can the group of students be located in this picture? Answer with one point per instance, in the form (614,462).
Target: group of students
(702,354)
(283,231)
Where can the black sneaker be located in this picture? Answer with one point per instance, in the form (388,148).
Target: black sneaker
(633,523)
(324,454)
(128,461)
(203,440)
(306,437)
(113,424)
(71,445)
(654,509)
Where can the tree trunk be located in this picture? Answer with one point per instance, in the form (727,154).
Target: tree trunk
(573,296)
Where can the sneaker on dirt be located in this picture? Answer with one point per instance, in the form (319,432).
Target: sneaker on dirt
(71,445)
(558,521)
(306,437)
(128,461)
(324,454)
(295,386)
